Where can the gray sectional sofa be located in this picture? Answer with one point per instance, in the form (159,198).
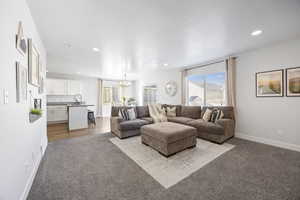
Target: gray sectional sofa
(217,132)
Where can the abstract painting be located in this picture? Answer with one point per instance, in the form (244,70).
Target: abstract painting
(33,62)
(21,77)
(293,82)
(21,43)
(269,84)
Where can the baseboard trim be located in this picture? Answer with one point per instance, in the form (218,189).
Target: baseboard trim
(32,176)
(268,141)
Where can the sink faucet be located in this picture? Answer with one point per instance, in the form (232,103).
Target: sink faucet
(78,98)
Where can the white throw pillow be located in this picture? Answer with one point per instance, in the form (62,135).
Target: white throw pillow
(207,115)
(131,114)
(171,112)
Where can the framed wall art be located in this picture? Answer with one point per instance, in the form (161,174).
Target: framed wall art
(269,84)
(33,64)
(21,82)
(293,82)
(21,43)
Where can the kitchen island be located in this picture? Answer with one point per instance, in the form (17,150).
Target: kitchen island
(75,114)
(78,117)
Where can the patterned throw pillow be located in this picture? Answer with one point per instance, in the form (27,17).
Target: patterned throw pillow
(171,111)
(131,114)
(216,115)
(123,113)
(207,115)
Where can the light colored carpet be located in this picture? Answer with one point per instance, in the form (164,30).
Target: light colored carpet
(169,171)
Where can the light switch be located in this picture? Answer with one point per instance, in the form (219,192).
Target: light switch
(5,96)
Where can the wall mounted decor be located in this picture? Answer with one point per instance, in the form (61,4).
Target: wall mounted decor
(269,84)
(37,104)
(293,82)
(21,82)
(21,43)
(42,85)
(41,79)
(171,88)
(33,62)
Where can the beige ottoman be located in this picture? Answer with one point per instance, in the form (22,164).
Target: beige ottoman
(169,138)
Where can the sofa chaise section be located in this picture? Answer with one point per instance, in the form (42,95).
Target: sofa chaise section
(125,128)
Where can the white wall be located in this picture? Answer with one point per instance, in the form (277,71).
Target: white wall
(273,120)
(90,92)
(159,78)
(20,141)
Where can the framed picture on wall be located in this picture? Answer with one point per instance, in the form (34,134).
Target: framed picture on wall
(21,43)
(293,82)
(21,82)
(33,63)
(42,85)
(269,83)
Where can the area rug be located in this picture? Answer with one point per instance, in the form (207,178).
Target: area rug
(169,171)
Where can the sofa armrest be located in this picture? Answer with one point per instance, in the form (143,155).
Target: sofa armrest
(115,123)
(116,119)
(228,125)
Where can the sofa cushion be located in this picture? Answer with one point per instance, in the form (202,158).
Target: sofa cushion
(142,111)
(193,112)
(171,112)
(132,124)
(178,108)
(168,132)
(207,127)
(115,110)
(180,120)
(227,110)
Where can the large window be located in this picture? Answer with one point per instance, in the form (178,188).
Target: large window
(207,86)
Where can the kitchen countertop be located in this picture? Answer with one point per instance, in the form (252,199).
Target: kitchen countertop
(80,105)
(69,104)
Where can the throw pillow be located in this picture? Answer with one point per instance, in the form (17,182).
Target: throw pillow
(123,113)
(162,110)
(207,115)
(216,115)
(131,114)
(171,111)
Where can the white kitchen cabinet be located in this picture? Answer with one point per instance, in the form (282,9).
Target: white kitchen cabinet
(57,113)
(74,87)
(63,87)
(57,86)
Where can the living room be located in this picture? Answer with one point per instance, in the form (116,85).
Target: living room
(149,99)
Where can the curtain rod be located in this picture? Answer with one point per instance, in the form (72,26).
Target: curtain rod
(208,63)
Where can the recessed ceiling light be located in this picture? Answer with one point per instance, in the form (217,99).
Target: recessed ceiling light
(166,64)
(77,72)
(256,32)
(96,49)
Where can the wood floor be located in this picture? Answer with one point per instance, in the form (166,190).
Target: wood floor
(60,131)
